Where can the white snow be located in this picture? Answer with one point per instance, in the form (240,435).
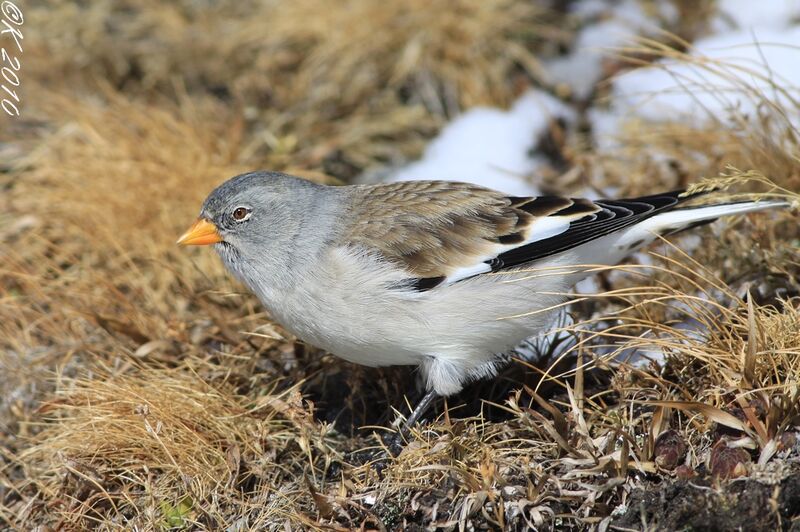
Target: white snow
(589,285)
(745,14)
(490,147)
(583,68)
(751,46)
(618,24)
(744,60)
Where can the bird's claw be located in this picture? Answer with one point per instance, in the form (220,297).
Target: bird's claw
(394,442)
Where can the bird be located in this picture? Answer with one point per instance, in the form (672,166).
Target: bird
(442,275)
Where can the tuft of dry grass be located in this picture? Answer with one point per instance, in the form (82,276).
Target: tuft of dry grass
(120,447)
(676,153)
(142,388)
(347,88)
(280,55)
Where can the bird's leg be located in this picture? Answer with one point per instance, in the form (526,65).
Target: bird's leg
(395,441)
(422,407)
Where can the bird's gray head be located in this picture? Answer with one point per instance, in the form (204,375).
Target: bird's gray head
(258,221)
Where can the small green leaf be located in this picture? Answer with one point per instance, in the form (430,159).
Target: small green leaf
(175,515)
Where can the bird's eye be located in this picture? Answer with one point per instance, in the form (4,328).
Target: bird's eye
(240,214)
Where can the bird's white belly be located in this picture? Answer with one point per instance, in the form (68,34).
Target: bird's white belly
(348,333)
(349,313)
(347,309)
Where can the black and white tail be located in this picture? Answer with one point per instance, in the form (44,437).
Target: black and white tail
(605,231)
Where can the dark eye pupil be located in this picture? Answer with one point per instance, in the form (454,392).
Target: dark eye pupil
(239,213)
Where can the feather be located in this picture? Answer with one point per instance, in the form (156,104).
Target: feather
(443,232)
(439,229)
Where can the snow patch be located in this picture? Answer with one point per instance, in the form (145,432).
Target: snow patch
(683,91)
(618,24)
(744,14)
(490,147)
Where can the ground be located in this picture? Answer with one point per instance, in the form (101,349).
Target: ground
(142,388)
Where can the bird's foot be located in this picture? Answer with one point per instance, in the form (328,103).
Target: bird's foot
(394,441)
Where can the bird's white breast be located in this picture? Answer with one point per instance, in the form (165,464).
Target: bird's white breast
(347,306)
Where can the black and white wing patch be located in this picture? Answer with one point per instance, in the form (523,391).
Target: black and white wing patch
(442,232)
(556,225)
(610,216)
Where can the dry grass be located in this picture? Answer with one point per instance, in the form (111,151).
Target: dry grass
(142,388)
(140,449)
(676,153)
(345,88)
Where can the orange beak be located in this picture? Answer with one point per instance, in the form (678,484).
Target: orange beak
(201,233)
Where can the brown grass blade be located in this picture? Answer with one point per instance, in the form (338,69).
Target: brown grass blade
(711,412)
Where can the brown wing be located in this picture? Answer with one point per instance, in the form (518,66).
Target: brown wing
(435,229)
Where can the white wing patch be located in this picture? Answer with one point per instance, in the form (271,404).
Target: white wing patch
(547,227)
(467,271)
(541,229)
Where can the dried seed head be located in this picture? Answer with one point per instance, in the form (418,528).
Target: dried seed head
(728,462)
(670,449)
